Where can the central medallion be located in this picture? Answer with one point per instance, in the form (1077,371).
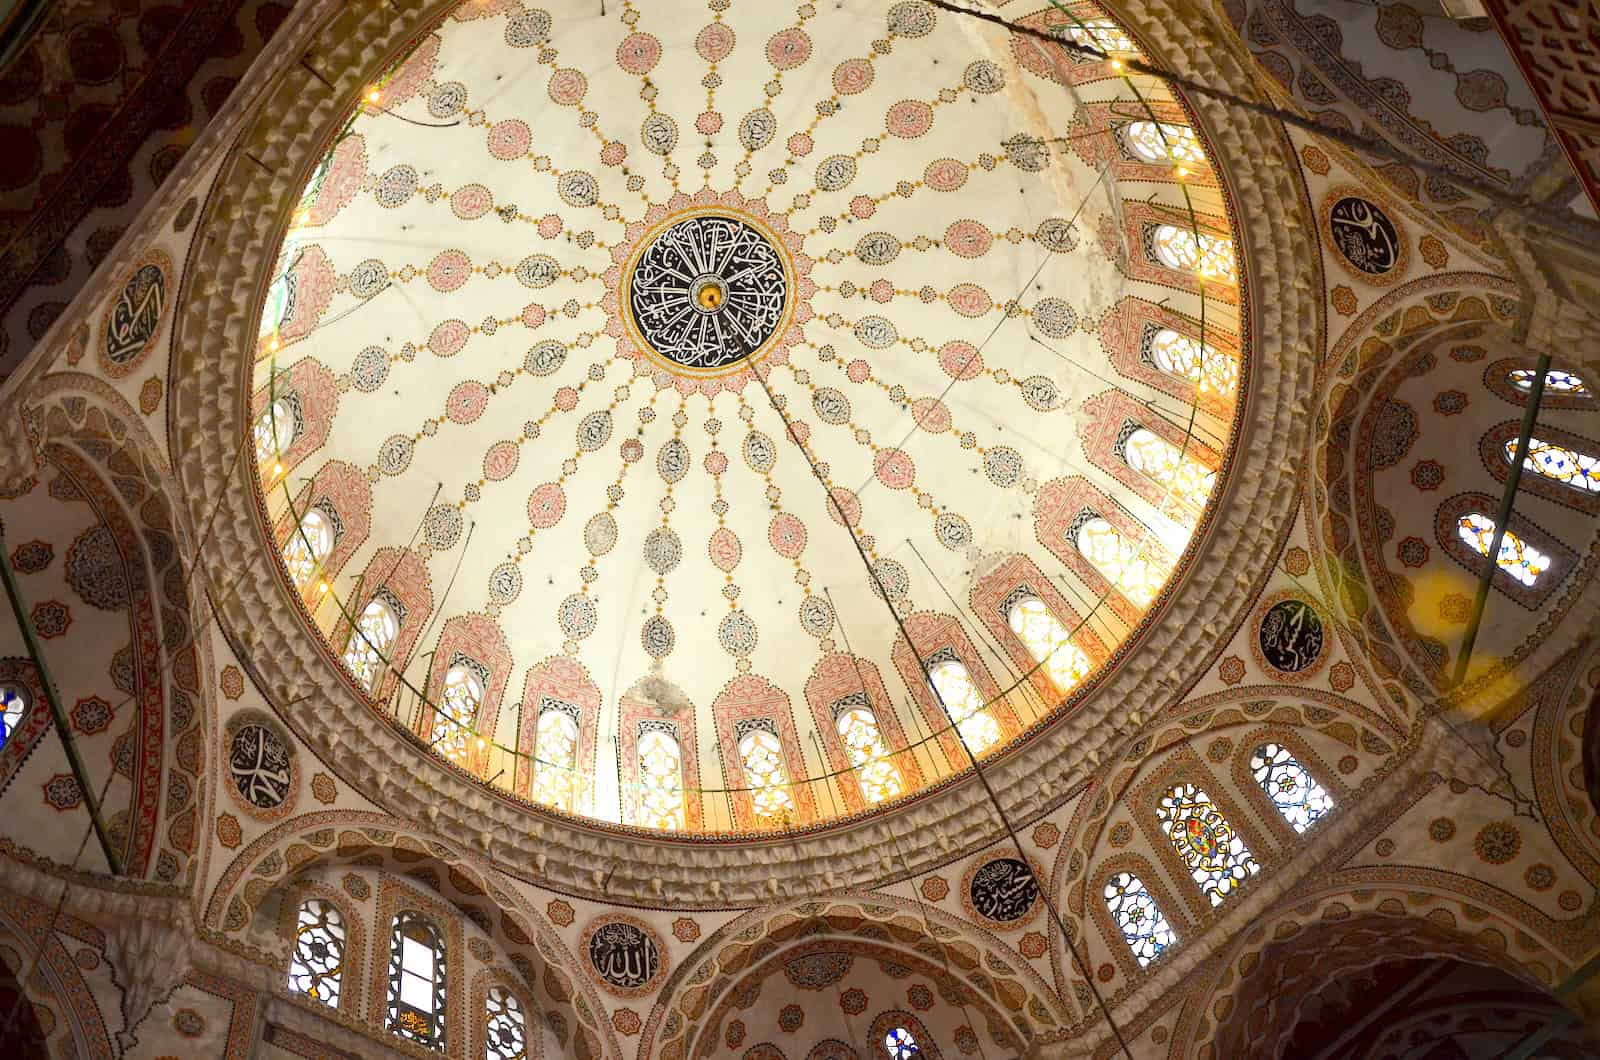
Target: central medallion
(708,292)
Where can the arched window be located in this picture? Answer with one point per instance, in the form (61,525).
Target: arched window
(1517,558)
(555,750)
(866,750)
(660,777)
(978,729)
(316,967)
(1567,466)
(464,684)
(1290,786)
(899,1044)
(1134,909)
(1184,248)
(277,429)
(310,545)
(1208,368)
(367,651)
(14,702)
(507,1033)
(1048,642)
(1554,380)
(1136,574)
(1164,142)
(1101,33)
(417,981)
(1217,858)
(764,771)
(1184,477)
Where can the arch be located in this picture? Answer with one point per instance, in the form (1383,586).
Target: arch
(341,494)
(652,712)
(1173,353)
(1114,935)
(961,960)
(563,684)
(401,576)
(1562,467)
(350,958)
(104,458)
(501,1016)
(752,713)
(839,682)
(56,985)
(1566,386)
(1066,507)
(1176,477)
(1281,965)
(310,395)
(937,640)
(263,872)
(992,598)
(1532,563)
(1246,777)
(424,971)
(466,681)
(1165,246)
(921,1041)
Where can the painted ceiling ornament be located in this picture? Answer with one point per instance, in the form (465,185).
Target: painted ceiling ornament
(557,407)
(706,288)
(1002,892)
(1366,240)
(1291,637)
(625,954)
(134,319)
(260,765)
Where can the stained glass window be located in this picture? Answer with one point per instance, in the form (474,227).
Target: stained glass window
(1217,858)
(1101,33)
(1517,558)
(900,1045)
(1048,642)
(1184,248)
(1290,786)
(865,748)
(458,707)
(276,429)
(764,772)
(1554,380)
(308,547)
(1133,568)
(316,967)
(1181,475)
(1567,466)
(978,729)
(1211,370)
(1164,142)
(1134,909)
(279,305)
(369,644)
(417,981)
(507,1035)
(13,705)
(660,779)
(555,748)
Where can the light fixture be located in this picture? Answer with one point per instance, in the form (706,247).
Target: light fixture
(372,96)
(322,587)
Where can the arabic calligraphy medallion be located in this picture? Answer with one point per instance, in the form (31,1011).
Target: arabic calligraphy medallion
(1290,637)
(134,319)
(1367,240)
(625,954)
(259,766)
(707,293)
(1003,891)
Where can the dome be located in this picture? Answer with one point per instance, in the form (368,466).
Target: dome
(736,421)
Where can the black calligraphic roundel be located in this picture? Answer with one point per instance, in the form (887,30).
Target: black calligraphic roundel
(1291,636)
(258,760)
(708,292)
(623,955)
(1364,235)
(1004,890)
(136,315)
